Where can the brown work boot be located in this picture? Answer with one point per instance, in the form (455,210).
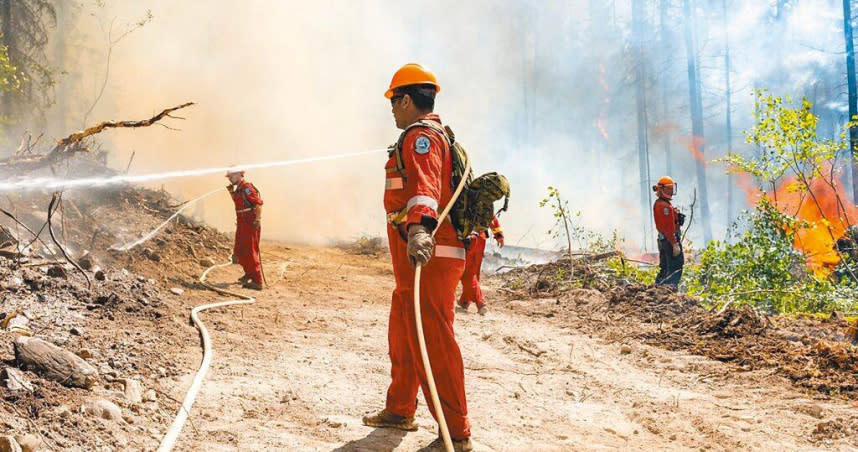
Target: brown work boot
(386,419)
(244,279)
(483,310)
(252,285)
(458,446)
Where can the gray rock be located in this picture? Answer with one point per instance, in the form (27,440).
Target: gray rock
(103,409)
(16,380)
(76,331)
(100,276)
(177,291)
(8,444)
(207,262)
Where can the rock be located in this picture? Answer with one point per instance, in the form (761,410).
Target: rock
(487,335)
(13,283)
(30,443)
(133,390)
(62,411)
(16,380)
(625,349)
(814,410)
(207,262)
(162,372)
(85,353)
(8,444)
(150,396)
(57,271)
(177,291)
(103,409)
(76,331)
(86,262)
(55,363)
(100,276)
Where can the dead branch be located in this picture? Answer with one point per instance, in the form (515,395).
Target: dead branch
(72,144)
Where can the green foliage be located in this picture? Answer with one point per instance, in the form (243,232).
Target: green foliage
(9,80)
(632,271)
(562,218)
(760,266)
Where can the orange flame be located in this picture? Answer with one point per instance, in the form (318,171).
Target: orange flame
(694,145)
(829,213)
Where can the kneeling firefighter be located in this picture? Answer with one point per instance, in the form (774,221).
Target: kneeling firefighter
(419,184)
(248,228)
(668,220)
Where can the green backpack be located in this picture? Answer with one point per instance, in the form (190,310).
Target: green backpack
(473,210)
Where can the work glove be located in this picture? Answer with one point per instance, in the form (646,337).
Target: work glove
(676,250)
(420,244)
(233,259)
(680,219)
(499,239)
(230,188)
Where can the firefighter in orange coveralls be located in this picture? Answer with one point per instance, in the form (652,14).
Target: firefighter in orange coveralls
(418,185)
(668,219)
(471,291)
(248,227)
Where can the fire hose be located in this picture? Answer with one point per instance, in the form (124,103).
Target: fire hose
(184,411)
(421,339)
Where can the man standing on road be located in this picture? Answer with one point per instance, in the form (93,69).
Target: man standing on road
(248,227)
(471,291)
(668,219)
(418,185)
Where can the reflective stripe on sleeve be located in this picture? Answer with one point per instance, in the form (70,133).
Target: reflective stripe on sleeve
(453,252)
(393,183)
(423,201)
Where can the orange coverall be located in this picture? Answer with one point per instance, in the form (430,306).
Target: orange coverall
(246,248)
(471,291)
(667,223)
(424,189)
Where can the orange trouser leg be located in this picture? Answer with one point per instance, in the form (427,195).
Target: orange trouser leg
(471,291)
(246,248)
(437,296)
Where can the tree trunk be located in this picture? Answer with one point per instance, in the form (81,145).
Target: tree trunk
(640,104)
(731,189)
(665,39)
(853,96)
(696,103)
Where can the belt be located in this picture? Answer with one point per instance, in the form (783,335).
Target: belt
(244,210)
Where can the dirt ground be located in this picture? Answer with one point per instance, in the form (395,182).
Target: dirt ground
(298,369)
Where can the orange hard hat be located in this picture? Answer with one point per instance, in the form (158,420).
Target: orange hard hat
(664,183)
(412,74)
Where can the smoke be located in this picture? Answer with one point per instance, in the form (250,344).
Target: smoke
(539,91)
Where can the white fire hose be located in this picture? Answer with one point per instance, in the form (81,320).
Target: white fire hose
(430,379)
(184,411)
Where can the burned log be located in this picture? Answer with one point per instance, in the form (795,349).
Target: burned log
(54,363)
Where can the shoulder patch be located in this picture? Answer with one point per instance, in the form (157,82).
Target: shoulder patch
(666,211)
(421,145)
(248,190)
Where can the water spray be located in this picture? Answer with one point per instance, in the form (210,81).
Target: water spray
(155,231)
(55,183)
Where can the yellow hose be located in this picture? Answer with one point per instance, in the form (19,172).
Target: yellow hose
(430,379)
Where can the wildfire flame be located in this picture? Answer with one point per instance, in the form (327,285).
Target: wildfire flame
(829,213)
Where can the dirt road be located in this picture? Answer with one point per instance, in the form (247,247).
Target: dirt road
(297,370)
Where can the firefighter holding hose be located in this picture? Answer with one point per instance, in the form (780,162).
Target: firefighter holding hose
(418,185)
(668,220)
(248,227)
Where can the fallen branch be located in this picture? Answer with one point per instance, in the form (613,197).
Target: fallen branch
(72,144)
(55,199)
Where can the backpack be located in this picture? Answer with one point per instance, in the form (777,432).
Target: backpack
(473,210)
